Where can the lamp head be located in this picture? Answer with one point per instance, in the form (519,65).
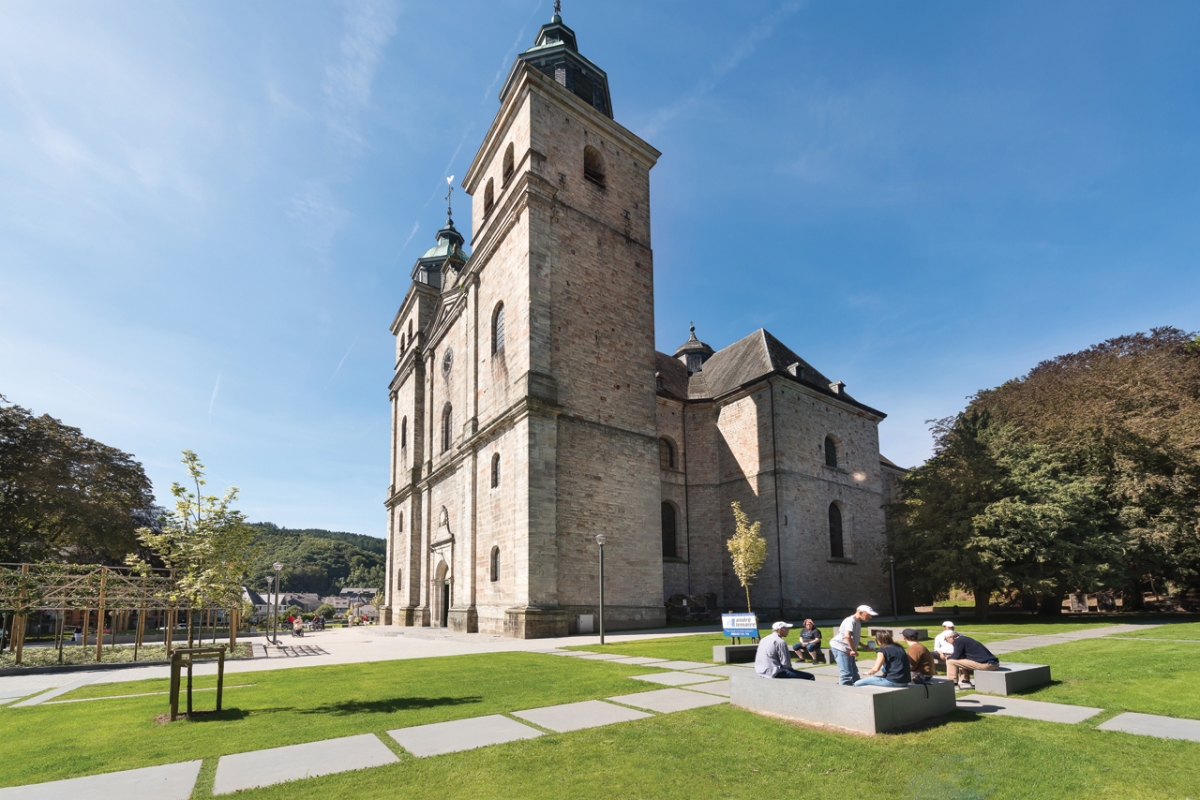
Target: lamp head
(270,579)
(278,565)
(600,539)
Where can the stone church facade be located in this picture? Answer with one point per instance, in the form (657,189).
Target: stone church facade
(531,412)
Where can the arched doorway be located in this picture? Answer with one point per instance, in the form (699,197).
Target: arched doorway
(441,594)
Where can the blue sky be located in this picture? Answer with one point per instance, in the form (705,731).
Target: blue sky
(209,211)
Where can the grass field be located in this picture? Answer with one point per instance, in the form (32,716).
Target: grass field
(711,752)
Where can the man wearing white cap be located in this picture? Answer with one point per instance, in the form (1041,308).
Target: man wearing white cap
(774,659)
(845,644)
(941,647)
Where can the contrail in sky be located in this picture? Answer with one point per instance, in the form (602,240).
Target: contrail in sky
(343,361)
(216,388)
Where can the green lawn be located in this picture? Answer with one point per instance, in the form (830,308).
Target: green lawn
(1120,675)
(711,752)
(727,753)
(49,742)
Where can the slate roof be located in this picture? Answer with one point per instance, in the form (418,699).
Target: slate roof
(745,361)
(673,374)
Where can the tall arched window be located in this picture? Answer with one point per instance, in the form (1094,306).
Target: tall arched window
(495,470)
(668,531)
(830,452)
(836,548)
(666,454)
(489,198)
(508,162)
(593,165)
(498,329)
(404,433)
(399,582)
(447,427)
(494,571)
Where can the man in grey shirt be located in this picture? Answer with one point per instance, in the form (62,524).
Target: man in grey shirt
(774,659)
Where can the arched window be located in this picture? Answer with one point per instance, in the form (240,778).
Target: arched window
(593,165)
(489,198)
(495,470)
(836,548)
(447,427)
(399,581)
(404,433)
(668,530)
(498,329)
(508,162)
(400,523)
(830,452)
(494,571)
(666,454)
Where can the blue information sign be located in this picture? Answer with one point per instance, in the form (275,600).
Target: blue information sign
(740,625)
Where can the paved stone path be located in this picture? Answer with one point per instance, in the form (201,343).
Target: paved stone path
(309,760)
(1151,725)
(1045,640)
(702,687)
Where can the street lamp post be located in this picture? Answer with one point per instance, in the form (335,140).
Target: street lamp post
(895,608)
(600,541)
(278,567)
(270,603)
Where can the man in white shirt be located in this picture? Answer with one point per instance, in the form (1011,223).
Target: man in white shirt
(941,647)
(774,659)
(845,644)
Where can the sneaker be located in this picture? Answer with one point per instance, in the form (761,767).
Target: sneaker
(965,685)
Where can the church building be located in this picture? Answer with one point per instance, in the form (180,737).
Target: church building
(531,411)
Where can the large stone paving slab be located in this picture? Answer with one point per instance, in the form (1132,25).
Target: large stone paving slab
(1027,709)
(603,657)
(462,734)
(720,687)
(53,693)
(279,764)
(682,665)
(644,660)
(664,701)
(1152,725)
(674,678)
(168,782)
(724,671)
(577,716)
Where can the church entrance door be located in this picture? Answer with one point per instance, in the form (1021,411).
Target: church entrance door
(446,604)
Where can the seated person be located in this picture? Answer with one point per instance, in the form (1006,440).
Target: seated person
(773,659)
(967,656)
(941,647)
(809,646)
(892,661)
(920,660)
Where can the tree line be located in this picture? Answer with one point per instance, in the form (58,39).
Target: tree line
(1083,475)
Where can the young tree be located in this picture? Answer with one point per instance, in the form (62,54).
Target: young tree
(205,541)
(747,549)
(325,610)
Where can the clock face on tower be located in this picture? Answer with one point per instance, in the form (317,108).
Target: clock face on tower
(447,363)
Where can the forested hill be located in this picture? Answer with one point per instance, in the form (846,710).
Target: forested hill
(317,560)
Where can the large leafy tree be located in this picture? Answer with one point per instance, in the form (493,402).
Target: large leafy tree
(64,496)
(1125,414)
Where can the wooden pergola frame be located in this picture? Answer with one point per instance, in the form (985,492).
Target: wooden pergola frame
(29,588)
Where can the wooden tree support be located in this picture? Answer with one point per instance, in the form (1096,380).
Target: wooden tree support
(187,656)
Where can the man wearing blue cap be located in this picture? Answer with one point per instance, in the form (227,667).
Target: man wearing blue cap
(774,659)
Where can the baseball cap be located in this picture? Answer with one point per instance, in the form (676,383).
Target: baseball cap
(947,624)
(908,633)
(779,625)
(869,610)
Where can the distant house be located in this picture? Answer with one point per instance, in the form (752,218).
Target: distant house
(358,594)
(261,604)
(340,604)
(306,601)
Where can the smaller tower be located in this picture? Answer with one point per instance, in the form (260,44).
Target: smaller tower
(556,53)
(448,252)
(693,353)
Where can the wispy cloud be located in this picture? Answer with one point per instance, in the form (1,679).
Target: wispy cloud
(318,215)
(506,62)
(369,25)
(213,399)
(343,361)
(742,49)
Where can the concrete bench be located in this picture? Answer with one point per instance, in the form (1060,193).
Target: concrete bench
(734,653)
(1012,678)
(922,633)
(866,709)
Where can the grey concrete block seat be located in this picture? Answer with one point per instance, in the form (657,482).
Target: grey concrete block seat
(866,709)
(734,653)
(1012,678)
(922,633)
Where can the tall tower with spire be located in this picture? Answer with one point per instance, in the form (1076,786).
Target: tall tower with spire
(524,408)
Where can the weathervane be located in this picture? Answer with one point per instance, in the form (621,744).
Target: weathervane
(449,191)
(557,6)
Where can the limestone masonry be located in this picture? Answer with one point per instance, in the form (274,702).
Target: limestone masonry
(531,412)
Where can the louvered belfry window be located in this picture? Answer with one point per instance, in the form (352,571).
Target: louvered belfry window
(498,329)
(836,547)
